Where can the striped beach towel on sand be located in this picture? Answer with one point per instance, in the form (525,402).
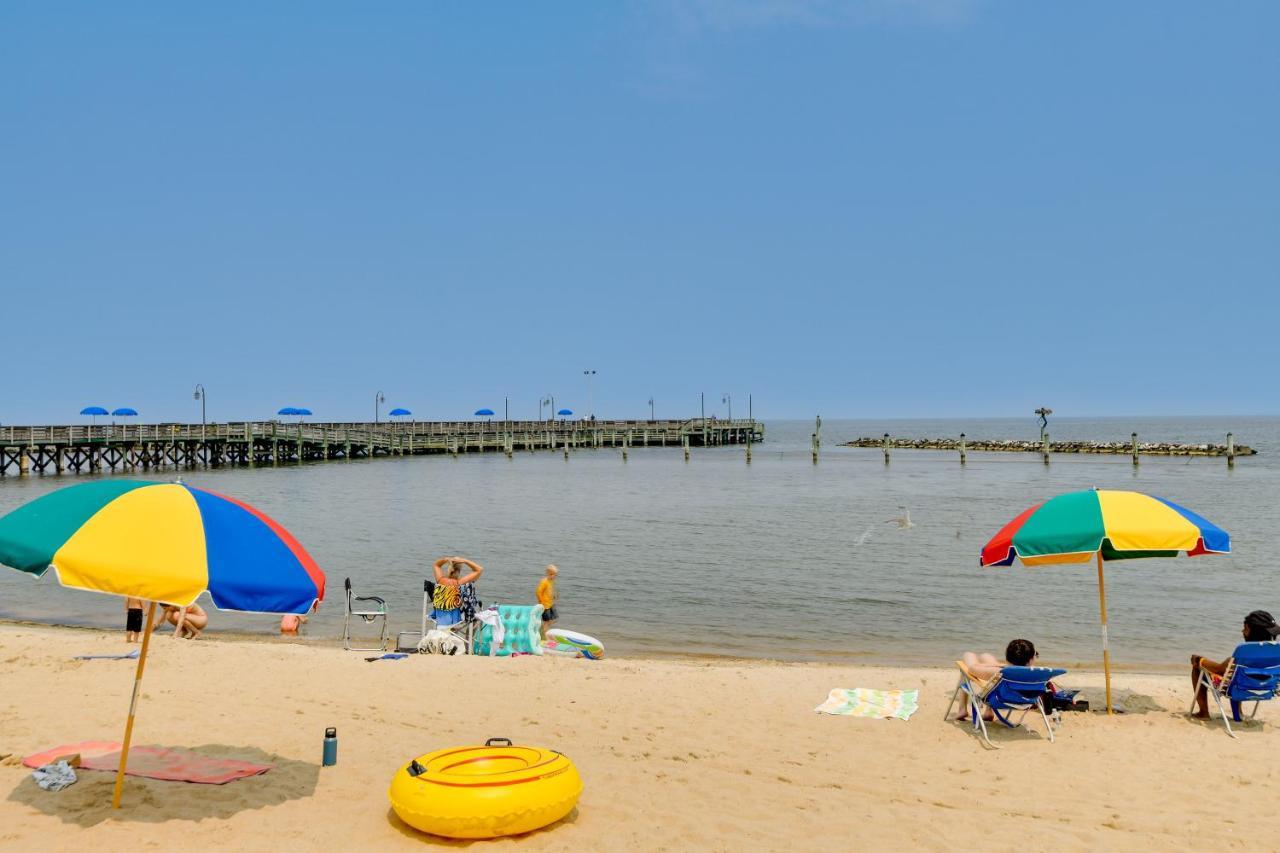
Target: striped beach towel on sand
(869,702)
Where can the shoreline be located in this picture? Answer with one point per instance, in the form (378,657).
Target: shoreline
(718,755)
(835,659)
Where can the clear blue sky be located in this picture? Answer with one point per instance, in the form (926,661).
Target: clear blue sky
(868,208)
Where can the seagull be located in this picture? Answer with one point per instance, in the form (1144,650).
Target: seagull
(903,521)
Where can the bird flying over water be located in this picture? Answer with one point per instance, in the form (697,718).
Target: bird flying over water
(903,521)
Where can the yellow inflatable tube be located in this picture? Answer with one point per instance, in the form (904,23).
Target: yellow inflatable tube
(485,791)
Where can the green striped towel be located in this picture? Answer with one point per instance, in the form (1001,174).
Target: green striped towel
(869,702)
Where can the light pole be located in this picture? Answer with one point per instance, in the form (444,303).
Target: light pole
(651,417)
(591,409)
(727,398)
(378,400)
(549,400)
(200,395)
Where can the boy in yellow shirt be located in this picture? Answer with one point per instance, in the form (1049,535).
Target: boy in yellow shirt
(547,598)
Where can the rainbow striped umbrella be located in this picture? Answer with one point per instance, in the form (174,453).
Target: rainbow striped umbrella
(165,542)
(1101,525)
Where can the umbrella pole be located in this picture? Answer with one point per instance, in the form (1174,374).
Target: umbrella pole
(133,706)
(1102,607)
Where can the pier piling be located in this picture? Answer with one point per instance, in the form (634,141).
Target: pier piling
(1231,450)
(1134,439)
(1044,447)
(886,448)
(962,454)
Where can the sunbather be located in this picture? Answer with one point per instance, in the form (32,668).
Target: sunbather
(446,601)
(984,666)
(1259,627)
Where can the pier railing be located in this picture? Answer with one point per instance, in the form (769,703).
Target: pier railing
(96,447)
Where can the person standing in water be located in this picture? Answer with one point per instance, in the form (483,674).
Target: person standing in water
(547,597)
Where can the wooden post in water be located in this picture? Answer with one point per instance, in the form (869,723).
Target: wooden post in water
(1044,447)
(1134,447)
(961,448)
(626,443)
(886,448)
(566,448)
(1231,450)
(816,438)
(684,440)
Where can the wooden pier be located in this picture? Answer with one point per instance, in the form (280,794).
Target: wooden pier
(93,449)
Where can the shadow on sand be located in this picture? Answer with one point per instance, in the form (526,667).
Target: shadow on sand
(88,802)
(409,832)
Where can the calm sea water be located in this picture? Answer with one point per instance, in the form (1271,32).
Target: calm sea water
(778,559)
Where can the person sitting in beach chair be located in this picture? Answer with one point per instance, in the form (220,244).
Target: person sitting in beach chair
(446,600)
(991,692)
(984,666)
(1250,674)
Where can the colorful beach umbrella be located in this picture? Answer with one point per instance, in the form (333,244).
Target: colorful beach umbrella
(166,542)
(1099,526)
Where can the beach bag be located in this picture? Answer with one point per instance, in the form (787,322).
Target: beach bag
(438,642)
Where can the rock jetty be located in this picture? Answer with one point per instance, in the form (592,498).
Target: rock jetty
(1145,448)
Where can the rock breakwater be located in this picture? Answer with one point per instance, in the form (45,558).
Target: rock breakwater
(1145,448)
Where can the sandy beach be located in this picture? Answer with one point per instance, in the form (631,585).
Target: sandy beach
(674,754)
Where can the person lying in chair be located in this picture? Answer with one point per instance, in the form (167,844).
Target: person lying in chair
(984,666)
(1259,627)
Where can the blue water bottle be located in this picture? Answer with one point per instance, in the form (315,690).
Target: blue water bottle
(330,747)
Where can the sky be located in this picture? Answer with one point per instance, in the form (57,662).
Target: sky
(872,208)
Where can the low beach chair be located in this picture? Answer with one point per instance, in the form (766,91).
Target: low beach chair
(1252,675)
(1014,688)
(369,616)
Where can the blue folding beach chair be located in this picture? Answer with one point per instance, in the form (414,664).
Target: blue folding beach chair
(1014,688)
(1252,675)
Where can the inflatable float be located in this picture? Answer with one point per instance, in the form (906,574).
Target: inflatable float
(485,791)
(572,644)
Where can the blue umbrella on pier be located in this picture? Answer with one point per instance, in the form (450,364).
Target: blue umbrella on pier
(124,412)
(94,411)
(484,413)
(287,411)
(302,413)
(565,413)
(399,413)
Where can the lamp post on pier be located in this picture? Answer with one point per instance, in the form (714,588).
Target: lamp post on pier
(591,408)
(651,415)
(728,398)
(200,395)
(378,400)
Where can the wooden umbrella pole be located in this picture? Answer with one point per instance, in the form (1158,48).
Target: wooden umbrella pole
(1102,607)
(133,706)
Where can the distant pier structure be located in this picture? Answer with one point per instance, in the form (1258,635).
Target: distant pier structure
(93,449)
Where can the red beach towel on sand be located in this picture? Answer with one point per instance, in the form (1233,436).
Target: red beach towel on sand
(153,762)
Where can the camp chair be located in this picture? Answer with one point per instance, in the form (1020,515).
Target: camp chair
(521,628)
(369,616)
(1014,688)
(1252,675)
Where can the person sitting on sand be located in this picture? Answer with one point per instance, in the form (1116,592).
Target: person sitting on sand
(547,598)
(132,619)
(1259,627)
(446,601)
(984,666)
(187,621)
